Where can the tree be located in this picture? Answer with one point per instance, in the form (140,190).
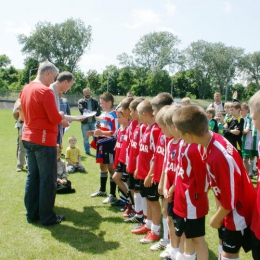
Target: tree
(93,80)
(196,58)
(4,61)
(249,65)
(125,80)
(158,81)
(62,44)
(156,50)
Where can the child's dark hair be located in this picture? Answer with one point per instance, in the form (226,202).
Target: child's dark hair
(125,103)
(108,97)
(222,112)
(161,100)
(133,105)
(236,105)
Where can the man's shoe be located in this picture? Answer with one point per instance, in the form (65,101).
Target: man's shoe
(134,219)
(98,193)
(59,219)
(150,237)
(161,245)
(18,169)
(141,230)
(109,199)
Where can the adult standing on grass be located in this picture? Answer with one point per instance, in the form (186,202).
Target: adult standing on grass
(88,103)
(218,105)
(41,118)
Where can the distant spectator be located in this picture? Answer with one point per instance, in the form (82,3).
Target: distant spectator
(18,116)
(64,104)
(88,103)
(218,105)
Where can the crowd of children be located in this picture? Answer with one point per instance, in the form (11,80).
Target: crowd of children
(164,157)
(177,152)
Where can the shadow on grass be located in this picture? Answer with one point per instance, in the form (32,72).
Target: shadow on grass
(85,235)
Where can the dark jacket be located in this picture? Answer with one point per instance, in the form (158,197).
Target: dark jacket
(82,104)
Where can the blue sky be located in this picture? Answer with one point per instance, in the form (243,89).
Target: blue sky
(117,25)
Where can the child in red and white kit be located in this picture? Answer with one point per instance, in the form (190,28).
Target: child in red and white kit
(133,155)
(147,149)
(119,166)
(120,176)
(159,103)
(234,192)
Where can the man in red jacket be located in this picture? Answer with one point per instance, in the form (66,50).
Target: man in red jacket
(41,118)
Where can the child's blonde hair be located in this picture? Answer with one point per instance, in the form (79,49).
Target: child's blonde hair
(185,101)
(145,107)
(160,114)
(211,111)
(167,117)
(161,100)
(254,102)
(71,138)
(228,105)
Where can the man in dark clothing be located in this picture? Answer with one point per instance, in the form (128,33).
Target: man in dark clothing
(88,103)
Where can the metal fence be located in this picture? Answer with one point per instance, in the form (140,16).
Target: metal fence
(11,96)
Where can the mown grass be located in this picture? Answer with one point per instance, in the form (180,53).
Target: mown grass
(92,230)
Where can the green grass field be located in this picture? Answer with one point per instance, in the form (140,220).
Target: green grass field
(92,230)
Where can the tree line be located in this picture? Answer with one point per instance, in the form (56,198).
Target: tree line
(156,64)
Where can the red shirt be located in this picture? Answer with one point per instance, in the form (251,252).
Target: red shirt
(124,154)
(255,225)
(159,157)
(230,182)
(147,149)
(41,116)
(118,147)
(171,162)
(134,148)
(190,199)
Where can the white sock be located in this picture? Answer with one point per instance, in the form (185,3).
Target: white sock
(190,257)
(225,258)
(165,229)
(138,204)
(173,252)
(179,256)
(219,251)
(156,229)
(148,223)
(144,206)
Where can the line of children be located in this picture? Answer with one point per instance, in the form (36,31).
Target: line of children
(234,192)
